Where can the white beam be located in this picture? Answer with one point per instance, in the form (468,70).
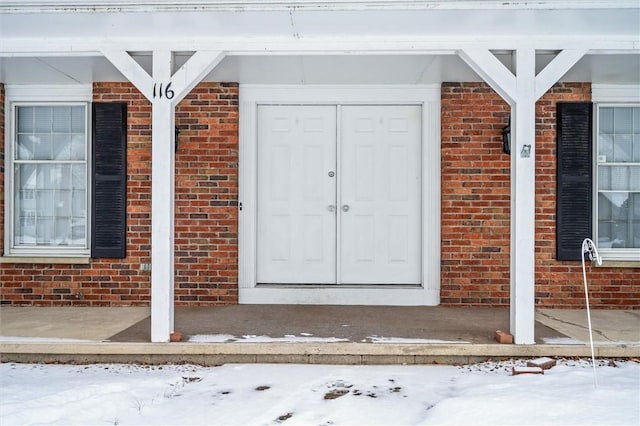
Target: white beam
(330,45)
(555,69)
(487,66)
(523,178)
(131,70)
(193,71)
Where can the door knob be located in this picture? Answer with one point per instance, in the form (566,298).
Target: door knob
(345,208)
(331,208)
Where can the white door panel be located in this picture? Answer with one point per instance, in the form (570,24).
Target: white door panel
(296,229)
(380,233)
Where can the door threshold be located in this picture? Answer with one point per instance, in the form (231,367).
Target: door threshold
(337,286)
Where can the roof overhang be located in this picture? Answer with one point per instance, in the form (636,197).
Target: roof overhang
(308,41)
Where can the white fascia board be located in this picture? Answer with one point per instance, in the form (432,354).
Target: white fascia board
(316,46)
(39,6)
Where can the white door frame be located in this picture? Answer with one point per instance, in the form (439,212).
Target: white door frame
(427,96)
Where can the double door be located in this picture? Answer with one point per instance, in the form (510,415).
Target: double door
(339,194)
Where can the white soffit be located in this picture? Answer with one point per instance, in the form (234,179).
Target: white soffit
(314,69)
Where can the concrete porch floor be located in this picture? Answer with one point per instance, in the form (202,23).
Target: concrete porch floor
(306,333)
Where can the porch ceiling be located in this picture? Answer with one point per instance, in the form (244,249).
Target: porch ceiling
(312,69)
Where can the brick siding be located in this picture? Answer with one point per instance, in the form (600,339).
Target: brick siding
(206,212)
(476,208)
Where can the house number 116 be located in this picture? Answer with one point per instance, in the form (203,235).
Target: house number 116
(159,91)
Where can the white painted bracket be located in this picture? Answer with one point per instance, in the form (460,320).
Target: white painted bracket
(193,71)
(487,66)
(131,70)
(556,69)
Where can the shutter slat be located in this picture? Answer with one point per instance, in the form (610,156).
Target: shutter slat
(574,178)
(109,183)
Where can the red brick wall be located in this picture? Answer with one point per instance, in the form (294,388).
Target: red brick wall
(206,213)
(476,208)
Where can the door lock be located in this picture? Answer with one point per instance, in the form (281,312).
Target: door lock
(332,174)
(331,208)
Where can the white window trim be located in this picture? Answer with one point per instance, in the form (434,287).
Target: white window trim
(42,94)
(428,96)
(607,95)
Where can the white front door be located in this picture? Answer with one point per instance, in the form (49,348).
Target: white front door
(339,203)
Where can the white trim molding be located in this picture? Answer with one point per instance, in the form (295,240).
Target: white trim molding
(618,93)
(427,96)
(45,94)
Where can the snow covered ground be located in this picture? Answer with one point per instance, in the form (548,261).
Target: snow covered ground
(269,394)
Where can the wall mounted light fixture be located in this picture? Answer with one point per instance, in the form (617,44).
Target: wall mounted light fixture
(176,135)
(506,138)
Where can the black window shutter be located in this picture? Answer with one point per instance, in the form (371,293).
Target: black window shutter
(109,183)
(574,178)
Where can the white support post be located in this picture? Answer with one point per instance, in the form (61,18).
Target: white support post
(523,183)
(162,199)
(521,92)
(164,91)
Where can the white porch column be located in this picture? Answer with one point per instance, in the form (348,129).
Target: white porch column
(523,185)
(164,90)
(521,91)
(162,198)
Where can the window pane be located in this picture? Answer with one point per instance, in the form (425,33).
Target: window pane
(51,133)
(62,119)
(25,119)
(25,149)
(623,120)
(78,120)
(635,179)
(604,177)
(606,120)
(42,145)
(62,146)
(605,148)
(636,147)
(619,178)
(43,120)
(50,211)
(623,147)
(619,220)
(78,146)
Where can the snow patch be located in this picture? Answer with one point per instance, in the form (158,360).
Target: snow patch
(272,394)
(250,338)
(381,339)
(22,339)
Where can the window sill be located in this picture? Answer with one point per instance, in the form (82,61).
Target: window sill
(618,264)
(42,259)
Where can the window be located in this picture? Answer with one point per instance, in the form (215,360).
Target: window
(598,187)
(65,173)
(617,212)
(49,167)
